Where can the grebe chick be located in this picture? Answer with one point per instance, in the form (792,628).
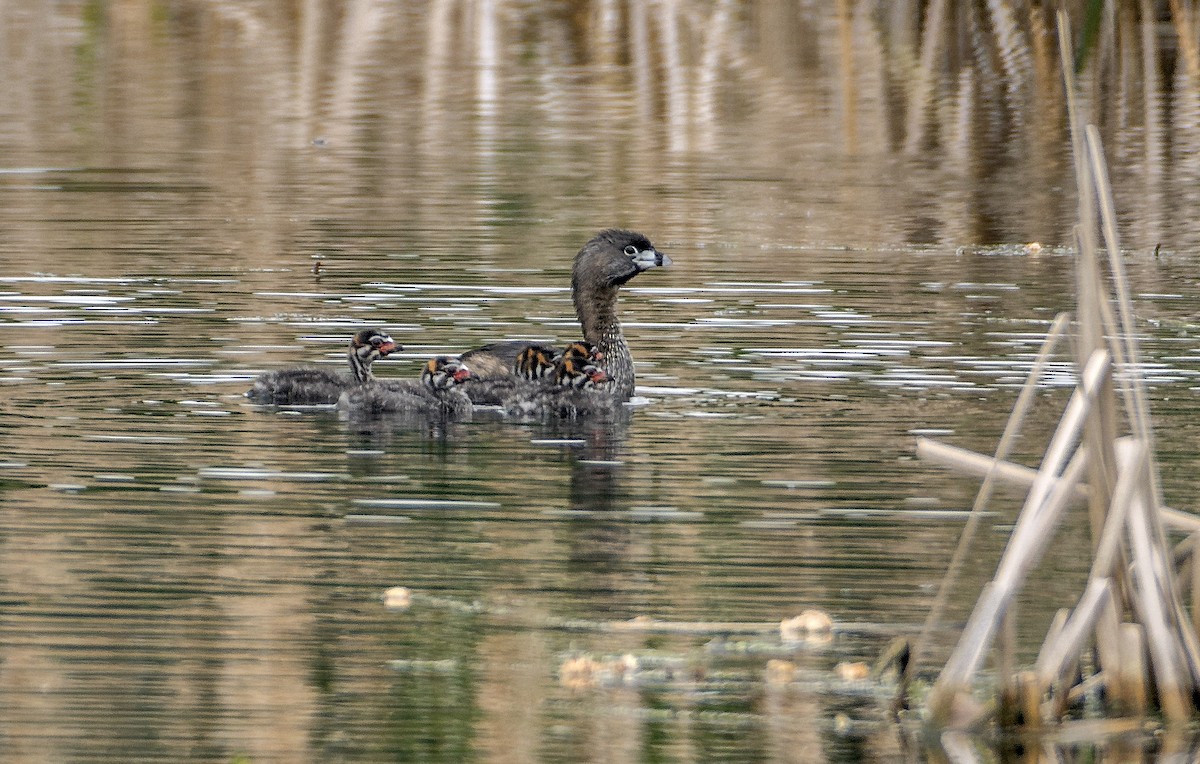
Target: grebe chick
(576,390)
(533,364)
(611,258)
(495,359)
(436,393)
(309,386)
(581,350)
(536,363)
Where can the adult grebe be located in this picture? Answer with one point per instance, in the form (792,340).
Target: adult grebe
(611,258)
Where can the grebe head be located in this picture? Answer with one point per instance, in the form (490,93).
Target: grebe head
(613,257)
(577,374)
(443,373)
(580,350)
(367,346)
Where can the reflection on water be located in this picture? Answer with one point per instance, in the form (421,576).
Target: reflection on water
(185,575)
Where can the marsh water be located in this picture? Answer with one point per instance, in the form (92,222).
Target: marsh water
(194,193)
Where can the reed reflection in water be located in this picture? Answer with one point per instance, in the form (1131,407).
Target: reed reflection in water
(846,190)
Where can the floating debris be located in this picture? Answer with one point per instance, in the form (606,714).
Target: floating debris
(397,598)
(852,671)
(582,672)
(578,673)
(809,626)
(780,672)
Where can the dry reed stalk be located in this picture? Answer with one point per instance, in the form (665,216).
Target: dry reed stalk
(1019,476)
(1151,94)
(849,88)
(1062,647)
(1047,497)
(1133,386)
(1044,61)
(1053,637)
(1132,669)
(1132,453)
(1178,520)
(1125,350)
(1030,698)
(1066,436)
(959,747)
(1087,217)
(981,465)
(1172,676)
(1108,648)
(1006,663)
(1028,542)
(1091,298)
(1195,540)
(1013,50)
(1012,429)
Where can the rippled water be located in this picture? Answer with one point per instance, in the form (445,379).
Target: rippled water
(187,576)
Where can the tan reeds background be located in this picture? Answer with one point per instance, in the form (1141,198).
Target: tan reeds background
(964,99)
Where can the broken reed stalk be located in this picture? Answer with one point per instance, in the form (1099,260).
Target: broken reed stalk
(1011,430)
(981,465)
(1053,487)
(1125,346)
(1133,387)
(1091,299)
(1020,476)
(1131,452)
(1062,649)
(1195,541)
(1125,508)
(1171,677)
(1036,529)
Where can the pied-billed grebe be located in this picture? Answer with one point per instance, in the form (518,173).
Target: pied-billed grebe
(309,386)
(611,258)
(577,389)
(436,394)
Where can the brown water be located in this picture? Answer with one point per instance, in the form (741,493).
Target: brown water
(186,576)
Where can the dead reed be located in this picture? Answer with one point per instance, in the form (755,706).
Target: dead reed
(1129,639)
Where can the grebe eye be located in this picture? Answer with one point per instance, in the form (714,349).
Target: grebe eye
(631,250)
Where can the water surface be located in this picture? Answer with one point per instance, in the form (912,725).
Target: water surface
(187,576)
